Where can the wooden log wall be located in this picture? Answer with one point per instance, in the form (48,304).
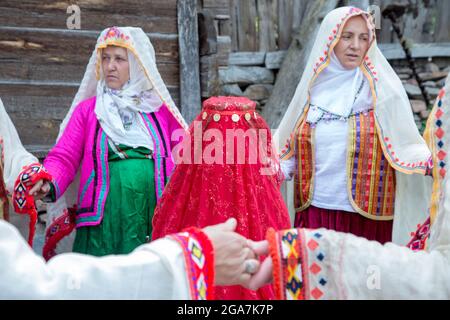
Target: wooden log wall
(428,21)
(268,25)
(262,31)
(42,62)
(189,60)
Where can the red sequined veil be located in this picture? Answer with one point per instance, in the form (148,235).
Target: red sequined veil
(202,194)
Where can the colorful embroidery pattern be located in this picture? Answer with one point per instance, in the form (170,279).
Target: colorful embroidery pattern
(116,36)
(315,271)
(420,237)
(199,258)
(157,139)
(303,180)
(371,178)
(23,201)
(288,148)
(94,216)
(287,258)
(425,165)
(435,137)
(439,134)
(86,186)
(57,230)
(298,264)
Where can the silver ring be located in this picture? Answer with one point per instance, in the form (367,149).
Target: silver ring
(250,267)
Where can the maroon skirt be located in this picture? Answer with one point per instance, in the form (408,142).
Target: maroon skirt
(343,221)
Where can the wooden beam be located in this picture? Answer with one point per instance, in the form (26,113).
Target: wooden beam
(76,33)
(246,75)
(393,51)
(250,58)
(266,25)
(190,94)
(296,58)
(223,50)
(362,4)
(207,33)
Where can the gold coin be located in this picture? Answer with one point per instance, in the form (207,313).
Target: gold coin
(248,116)
(205,114)
(235,117)
(216,117)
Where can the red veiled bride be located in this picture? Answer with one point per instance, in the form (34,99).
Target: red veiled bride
(225,169)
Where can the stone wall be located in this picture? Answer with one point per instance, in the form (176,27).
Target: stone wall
(253,74)
(433,73)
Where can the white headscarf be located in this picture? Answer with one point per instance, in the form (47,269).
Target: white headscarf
(400,140)
(117,110)
(138,43)
(326,92)
(437,189)
(436,134)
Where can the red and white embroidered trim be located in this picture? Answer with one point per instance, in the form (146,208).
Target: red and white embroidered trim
(286,252)
(58,229)
(298,269)
(199,257)
(23,201)
(420,237)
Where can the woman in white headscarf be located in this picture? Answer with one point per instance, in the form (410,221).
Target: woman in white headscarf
(117,137)
(323,264)
(349,133)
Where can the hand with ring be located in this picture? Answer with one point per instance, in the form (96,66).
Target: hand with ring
(264,274)
(235,261)
(250,266)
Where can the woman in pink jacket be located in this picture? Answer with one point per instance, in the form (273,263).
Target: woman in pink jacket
(114,147)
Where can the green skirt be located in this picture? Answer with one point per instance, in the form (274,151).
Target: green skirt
(129,207)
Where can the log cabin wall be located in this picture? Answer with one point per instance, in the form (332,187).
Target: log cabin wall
(252,37)
(42,62)
(242,45)
(268,25)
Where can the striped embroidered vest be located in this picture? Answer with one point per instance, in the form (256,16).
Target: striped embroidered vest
(370,178)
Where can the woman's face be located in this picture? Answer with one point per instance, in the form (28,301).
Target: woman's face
(353,44)
(115,66)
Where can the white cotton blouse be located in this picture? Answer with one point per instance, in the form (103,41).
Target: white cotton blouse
(336,96)
(330,186)
(330,179)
